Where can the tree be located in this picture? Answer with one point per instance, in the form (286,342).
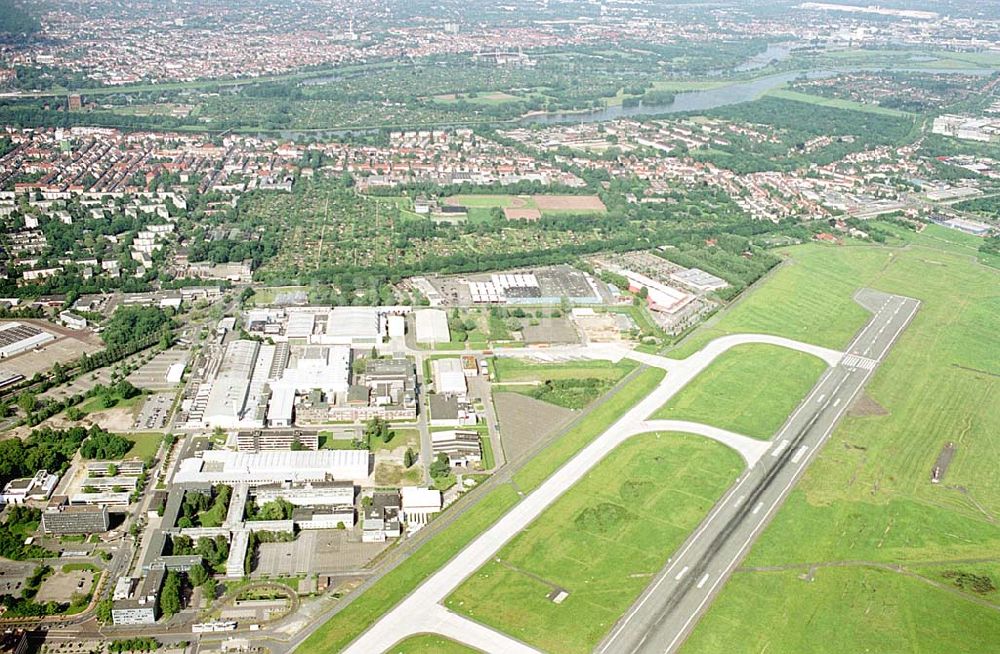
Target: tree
(170,596)
(441,466)
(27,402)
(198,575)
(103,611)
(409,458)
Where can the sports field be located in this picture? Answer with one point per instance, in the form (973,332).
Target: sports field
(751,389)
(546,204)
(601,542)
(867,500)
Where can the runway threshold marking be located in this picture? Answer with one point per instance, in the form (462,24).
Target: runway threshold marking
(821,398)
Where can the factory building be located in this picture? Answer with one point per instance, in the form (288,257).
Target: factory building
(260,468)
(16,337)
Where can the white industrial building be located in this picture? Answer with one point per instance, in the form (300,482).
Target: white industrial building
(237,398)
(419,504)
(274,467)
(354,326)
(660,296)
(432,326)
(449,377)
(318,368)
(17,337)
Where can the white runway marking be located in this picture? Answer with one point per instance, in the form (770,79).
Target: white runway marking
(798,455)
(781,448)
(739,500)
(821,398)
(703,580)
(855,361)
(836,403)
(683,572)
(757,508)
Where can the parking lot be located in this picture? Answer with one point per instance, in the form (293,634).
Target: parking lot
(62,586)
(155,411)
(13,574)
(153,375)
(324,550)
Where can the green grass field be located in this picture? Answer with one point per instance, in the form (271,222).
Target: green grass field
(751,389)
(842,610)
(808,299)
(601,542)
(512,369)
(144,445)
(479,205)
(835,103)
(355,618)
(429,644)
(603,416)
(868,496)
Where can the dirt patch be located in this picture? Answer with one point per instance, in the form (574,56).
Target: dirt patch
(866,406)
(524,421)
(569,203)
(550,330)
(394,474)
(511,213)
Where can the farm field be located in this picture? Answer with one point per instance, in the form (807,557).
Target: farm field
(751,390)
(624,519)
(867,498)
(346,625)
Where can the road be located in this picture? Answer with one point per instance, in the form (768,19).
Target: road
(421,611)
(668,610)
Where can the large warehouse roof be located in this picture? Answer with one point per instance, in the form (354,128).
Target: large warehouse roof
(353,325)
(432,326)
(449,378)
(270,467)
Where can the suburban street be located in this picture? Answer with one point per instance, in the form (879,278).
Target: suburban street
(670,607)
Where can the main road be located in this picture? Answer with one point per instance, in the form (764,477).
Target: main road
(668,610)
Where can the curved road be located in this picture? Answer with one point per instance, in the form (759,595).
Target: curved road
(422,610)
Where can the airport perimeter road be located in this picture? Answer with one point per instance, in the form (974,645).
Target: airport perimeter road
(670,607)
(421,610)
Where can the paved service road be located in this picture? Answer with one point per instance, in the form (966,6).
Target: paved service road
(670,607)
(421,611)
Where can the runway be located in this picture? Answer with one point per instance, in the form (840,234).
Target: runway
(670,607)
(421,611)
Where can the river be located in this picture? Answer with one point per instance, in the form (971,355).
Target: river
(686,101)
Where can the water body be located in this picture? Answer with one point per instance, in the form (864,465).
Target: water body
(718,97)
(774,52)
(688,101)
